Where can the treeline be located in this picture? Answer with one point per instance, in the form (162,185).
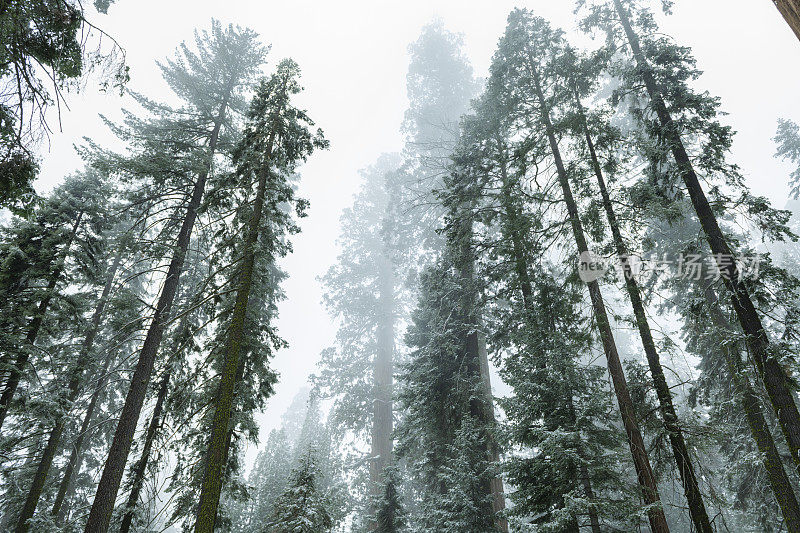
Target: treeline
(576,220)
(139,301)
(547,228)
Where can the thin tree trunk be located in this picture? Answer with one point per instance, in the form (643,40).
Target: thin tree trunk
(73,391)
(644,472)
(697,508)
(140,468)
(776,382)
(36,324)
(381,451)
(108,487)
(759,428)
(73,467)
(594,520)
(218,444)
(790,9)
(526,288)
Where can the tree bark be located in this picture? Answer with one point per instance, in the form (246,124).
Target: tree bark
(644,472)
(496,484)
(776,382)
(140,468)
(73,391)
(108,487)
(790,9)
(481,409)
(15,374)
(680,452)
(218,445)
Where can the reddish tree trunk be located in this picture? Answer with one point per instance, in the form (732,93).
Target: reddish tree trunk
(644,471)
(776,382)
(383,371)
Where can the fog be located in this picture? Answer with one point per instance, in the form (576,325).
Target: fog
(354,58)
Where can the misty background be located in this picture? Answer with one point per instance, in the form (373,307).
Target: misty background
(354,59)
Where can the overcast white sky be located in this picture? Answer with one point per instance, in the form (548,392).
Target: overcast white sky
(354,58)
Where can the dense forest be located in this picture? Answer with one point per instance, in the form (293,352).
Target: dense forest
(558,308)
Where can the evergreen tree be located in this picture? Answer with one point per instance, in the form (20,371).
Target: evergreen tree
(302,508)
(74,386)
(680,111)
(581,77)
(88,435)
(275,461)
(390,512)
(276,139)
(49,36)
(525,59)
(225,59)
(364,291)
(443,397)
(788,140)
(560,411)
(440,84)
(42,257)
(267,481)
(388,235)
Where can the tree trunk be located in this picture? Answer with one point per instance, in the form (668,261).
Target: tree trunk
(790,9)
(776,382)
(526,288)
(141,465)
(36,324)
(383,371)
(496,485)
(594,520)
(781,486)
(74,464)
(108,487)
(218,444)
(644,472)
(481,409)
(73,391)
(697,508)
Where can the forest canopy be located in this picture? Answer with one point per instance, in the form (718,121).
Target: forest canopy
(560,304)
